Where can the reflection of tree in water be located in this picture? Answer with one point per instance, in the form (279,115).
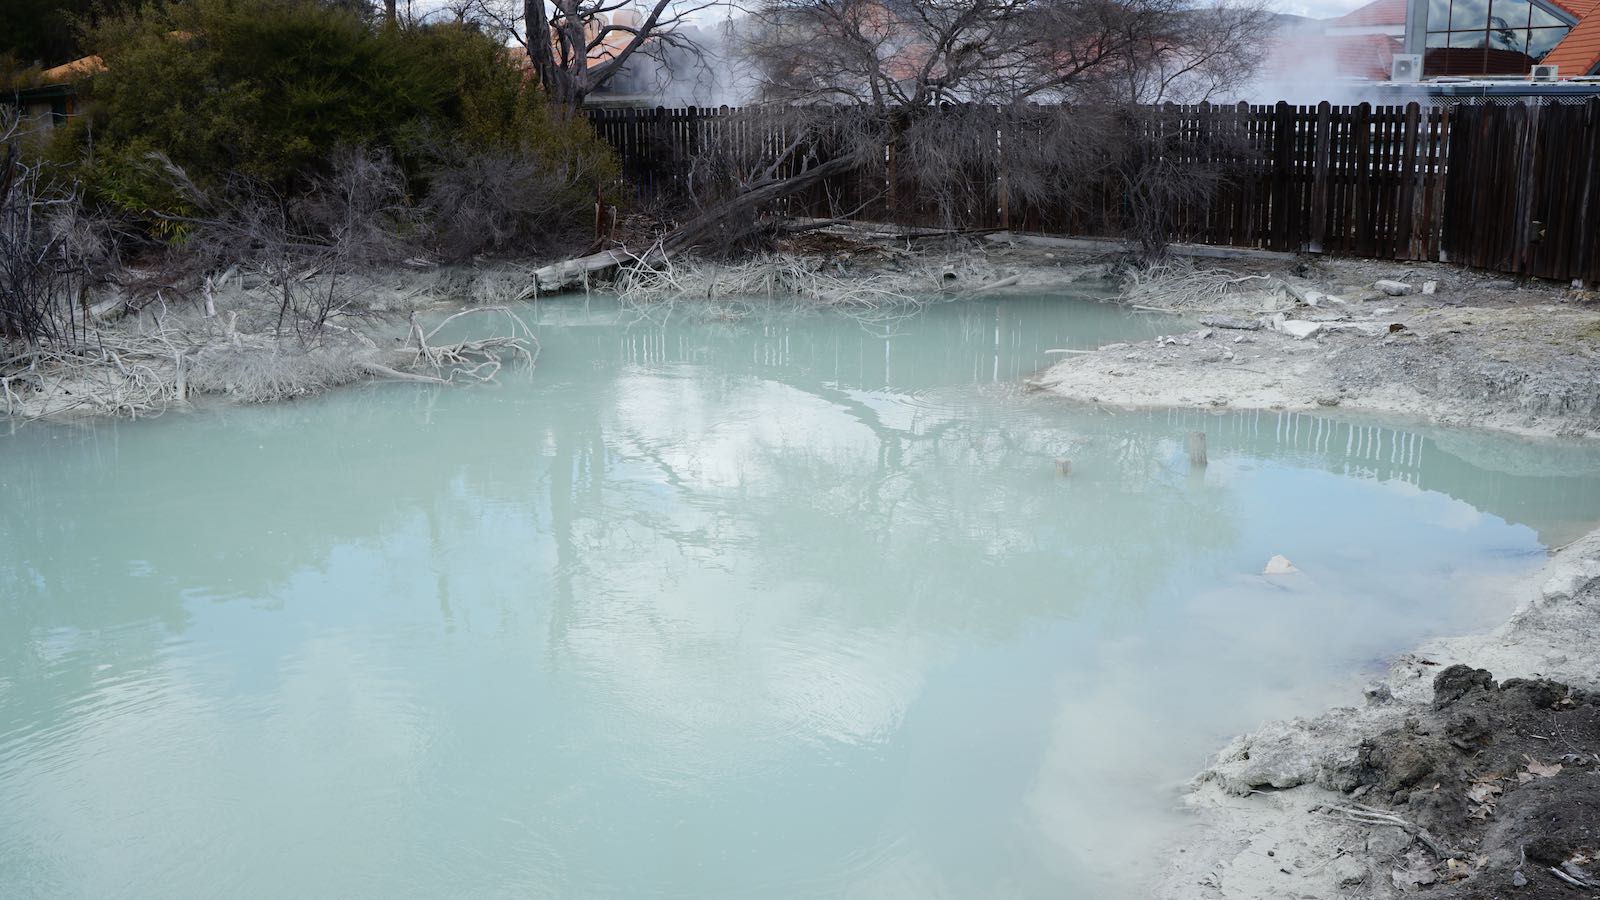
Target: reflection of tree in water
(922,526)
(926,510)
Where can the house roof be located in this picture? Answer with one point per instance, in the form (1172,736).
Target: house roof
(72,71)
(1378,12)
(1575,8)
(1393,12)
(1367,56)
(1579,52)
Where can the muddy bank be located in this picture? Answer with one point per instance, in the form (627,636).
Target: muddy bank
(1471,771)
(1474,350)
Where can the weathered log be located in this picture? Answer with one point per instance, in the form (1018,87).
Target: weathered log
(560,276)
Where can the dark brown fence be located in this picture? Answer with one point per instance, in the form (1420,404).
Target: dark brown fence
(1510,188)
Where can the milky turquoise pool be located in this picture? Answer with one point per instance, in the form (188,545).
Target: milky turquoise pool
(780,607)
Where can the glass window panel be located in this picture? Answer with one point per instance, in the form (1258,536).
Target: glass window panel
(1438,39)
(1466,15)
(1437,62)
(1541,18)
(1509,14)
(1438,15)
(1461,39)
(1542,40)
(1514,39)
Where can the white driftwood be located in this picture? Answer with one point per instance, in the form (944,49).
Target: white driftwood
(576,272)
(383,371)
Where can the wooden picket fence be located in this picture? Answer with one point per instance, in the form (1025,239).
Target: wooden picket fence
(1514,189)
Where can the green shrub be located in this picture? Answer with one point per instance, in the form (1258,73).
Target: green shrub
(270,90)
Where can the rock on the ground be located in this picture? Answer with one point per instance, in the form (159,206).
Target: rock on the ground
(1279,565)
(1234,322)
(1299,329)
(1394,288)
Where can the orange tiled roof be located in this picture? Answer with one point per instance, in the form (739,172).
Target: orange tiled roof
(1378,12)
(1577,8)
(1579,52)
(1349,56)
(78,68)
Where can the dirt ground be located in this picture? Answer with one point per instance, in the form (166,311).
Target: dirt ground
(1450,781)
(1478,350)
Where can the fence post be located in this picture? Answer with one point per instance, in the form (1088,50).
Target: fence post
(1281,235)
(1361,134)
(1319,178)
(1586,255)
(1403,247)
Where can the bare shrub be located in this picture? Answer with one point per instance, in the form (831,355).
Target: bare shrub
(488,201)
(772,163)
(49,249)
(1181,286)
(264,372)
(310,247)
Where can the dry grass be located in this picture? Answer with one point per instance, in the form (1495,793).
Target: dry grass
(879,295)
(162,356)
(1182,287)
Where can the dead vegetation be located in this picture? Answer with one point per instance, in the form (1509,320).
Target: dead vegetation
(265,298)
(1183,286)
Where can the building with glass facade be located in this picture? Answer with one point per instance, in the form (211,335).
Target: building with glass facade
(1494,37)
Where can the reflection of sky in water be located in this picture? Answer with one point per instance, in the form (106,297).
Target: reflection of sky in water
(774,608)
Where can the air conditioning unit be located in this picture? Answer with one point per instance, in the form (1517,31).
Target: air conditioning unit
(1406,67)
(1545,73)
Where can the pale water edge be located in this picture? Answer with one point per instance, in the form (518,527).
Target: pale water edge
(769,608)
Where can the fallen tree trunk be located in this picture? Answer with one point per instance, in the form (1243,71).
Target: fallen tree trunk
(719,224)
(556,278)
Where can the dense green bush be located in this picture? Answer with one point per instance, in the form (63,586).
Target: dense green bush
(271,90)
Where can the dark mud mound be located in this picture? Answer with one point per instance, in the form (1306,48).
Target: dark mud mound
(1500,784)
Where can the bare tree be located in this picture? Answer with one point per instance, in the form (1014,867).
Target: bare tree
(912,54)
(943,119)
(577,47)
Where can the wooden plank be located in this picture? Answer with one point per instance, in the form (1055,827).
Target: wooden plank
(1404,244)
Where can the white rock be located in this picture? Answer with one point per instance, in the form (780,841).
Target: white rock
(1300,330)
(1383,311)
(1227,354)
(1394,288)
(1279,565)
(1239,339)
(1430,287)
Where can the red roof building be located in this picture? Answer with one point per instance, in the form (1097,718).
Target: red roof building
(1462,37)
(1579,52)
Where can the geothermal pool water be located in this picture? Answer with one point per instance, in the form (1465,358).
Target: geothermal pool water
(782,607)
